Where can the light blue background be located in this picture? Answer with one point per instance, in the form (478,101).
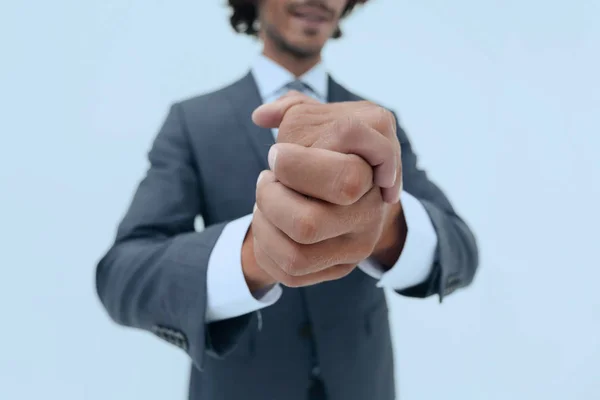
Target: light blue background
(501,100)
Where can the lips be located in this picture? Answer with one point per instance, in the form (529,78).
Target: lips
(311,13)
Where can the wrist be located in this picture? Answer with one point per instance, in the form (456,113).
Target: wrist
(256,278)
(390,243)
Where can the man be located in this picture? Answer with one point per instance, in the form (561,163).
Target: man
(268,300)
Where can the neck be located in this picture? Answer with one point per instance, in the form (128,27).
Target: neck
(297,66)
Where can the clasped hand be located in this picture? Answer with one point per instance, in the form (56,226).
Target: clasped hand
(332,189)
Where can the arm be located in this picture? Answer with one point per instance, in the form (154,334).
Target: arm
(405,253)
(237,286)
(154,277)
(438,255)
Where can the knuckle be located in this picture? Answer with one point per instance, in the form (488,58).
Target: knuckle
(387,119)
(305,228)
(344,125)
(387,115)
(344,129)
(293,263)
(351,182)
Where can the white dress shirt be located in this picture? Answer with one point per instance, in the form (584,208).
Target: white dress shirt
(228,294)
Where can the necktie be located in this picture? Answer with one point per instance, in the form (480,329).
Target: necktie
(299,86)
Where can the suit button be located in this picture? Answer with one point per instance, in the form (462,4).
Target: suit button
(305,331)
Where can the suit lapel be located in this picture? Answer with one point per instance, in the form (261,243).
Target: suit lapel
(337,93)
(245,98)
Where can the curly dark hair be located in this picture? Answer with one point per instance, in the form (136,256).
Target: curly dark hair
(244,15)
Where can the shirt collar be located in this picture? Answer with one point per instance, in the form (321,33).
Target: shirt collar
(271,77)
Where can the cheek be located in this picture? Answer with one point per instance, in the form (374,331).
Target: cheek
(275,16)
(340,6)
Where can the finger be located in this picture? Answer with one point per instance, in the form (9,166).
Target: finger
(392,195)
(302,219)
(384,122)
(379,118)
(334,177)
(270,115)
(282,258)
(352,136)
(269,266)
(306,220)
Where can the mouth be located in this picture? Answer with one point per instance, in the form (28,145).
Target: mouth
(311,15)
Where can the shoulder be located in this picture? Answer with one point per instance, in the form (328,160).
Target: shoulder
(212,99)
(351,95)
(210,108)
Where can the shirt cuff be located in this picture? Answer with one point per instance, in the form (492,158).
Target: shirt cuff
(418,254)
(227,293)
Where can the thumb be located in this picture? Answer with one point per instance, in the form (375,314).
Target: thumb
(270,115)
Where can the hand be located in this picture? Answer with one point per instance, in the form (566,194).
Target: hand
(360,128)
(299,240)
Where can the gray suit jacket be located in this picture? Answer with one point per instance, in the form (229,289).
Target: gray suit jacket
(330,340)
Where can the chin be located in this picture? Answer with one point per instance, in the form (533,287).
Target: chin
(304,50)
(308,45)
(300,44)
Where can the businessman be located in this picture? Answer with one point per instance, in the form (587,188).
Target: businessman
(312,202)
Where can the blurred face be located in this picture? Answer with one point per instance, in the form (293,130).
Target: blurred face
(299,27)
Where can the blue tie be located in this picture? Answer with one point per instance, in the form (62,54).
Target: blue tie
(299,86)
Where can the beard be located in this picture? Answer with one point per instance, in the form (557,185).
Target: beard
(285,46)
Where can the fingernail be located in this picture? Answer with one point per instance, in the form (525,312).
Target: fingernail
(257,111)
(272,157)
(394,178)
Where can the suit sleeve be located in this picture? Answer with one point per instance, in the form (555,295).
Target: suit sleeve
(456,257)
(154,275)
